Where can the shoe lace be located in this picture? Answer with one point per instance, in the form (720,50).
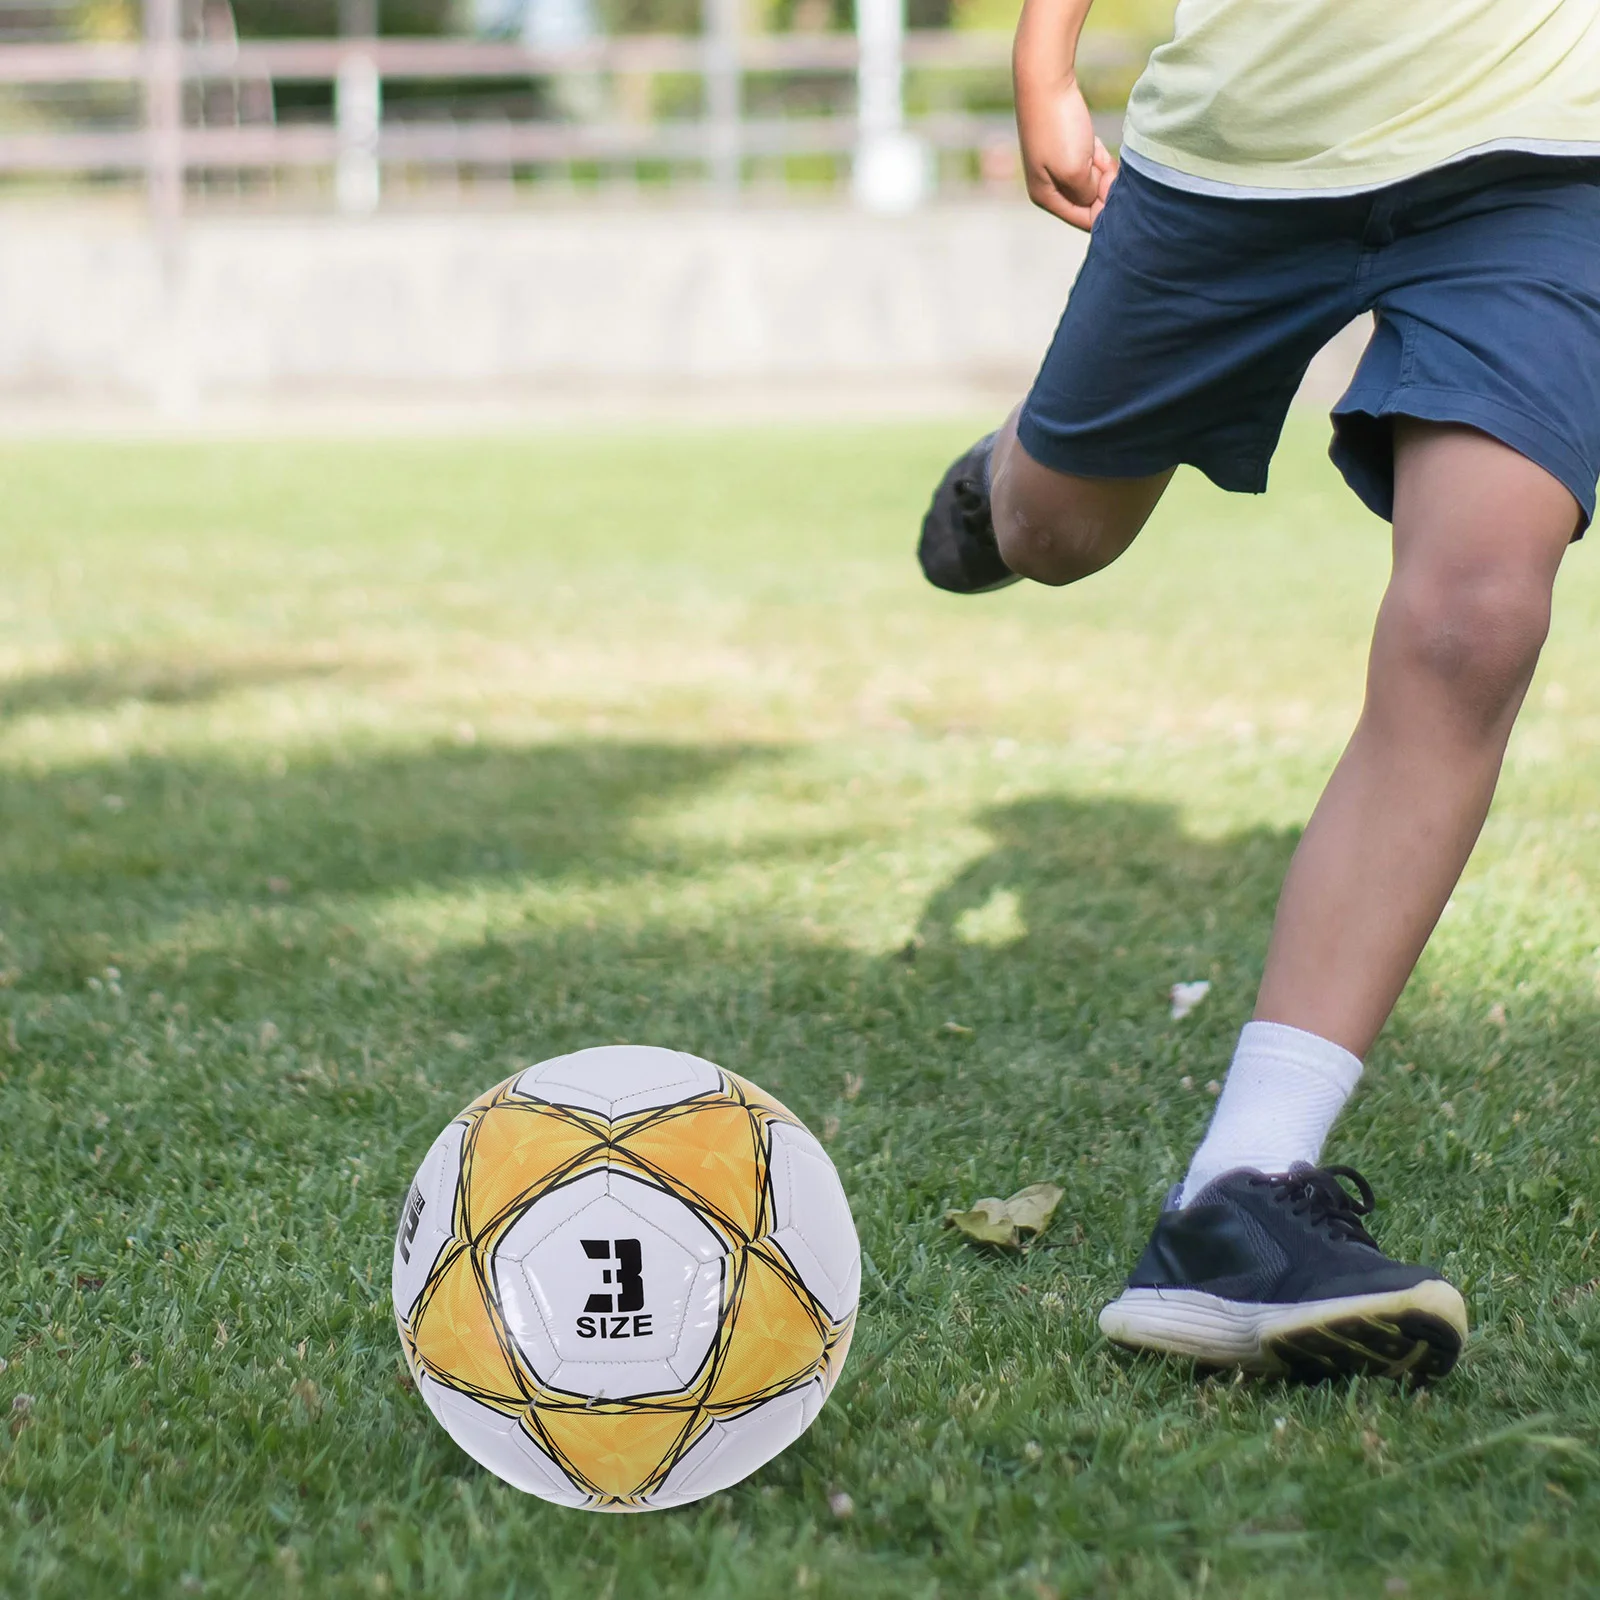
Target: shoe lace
(972,501)
(1317,1194)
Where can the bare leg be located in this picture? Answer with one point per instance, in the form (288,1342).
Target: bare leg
(1056,528)
(1479,533)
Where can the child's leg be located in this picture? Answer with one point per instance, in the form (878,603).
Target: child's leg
(1479,532)
(999,515)
(1056,528)
(1184,339)
(1260,1260)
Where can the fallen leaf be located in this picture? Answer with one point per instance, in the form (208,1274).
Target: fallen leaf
(1004,1222)
(956,1027)
(1186,996)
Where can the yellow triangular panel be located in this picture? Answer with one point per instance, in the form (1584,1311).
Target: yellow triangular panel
(840,1348)
(516,1149)
(489,1096)
(761,1100)
(618,1453)
(774,1338)
(711,1150)
(455,1336)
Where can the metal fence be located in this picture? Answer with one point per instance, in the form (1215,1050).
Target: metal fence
(190,111)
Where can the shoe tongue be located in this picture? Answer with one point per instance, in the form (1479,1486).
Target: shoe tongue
(1222,1186)
(1219,1189)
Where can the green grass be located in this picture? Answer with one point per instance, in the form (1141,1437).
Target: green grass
(336,780)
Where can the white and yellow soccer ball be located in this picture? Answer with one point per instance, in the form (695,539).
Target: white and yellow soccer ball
(625,1278)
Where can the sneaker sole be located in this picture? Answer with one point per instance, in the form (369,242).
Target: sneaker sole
(1411,1334)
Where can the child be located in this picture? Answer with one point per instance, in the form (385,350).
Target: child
(1288,165)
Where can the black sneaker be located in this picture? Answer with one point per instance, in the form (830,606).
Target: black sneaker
(957,549)
(1275,1273)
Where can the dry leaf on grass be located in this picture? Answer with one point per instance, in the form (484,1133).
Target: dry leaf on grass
(1005,1222)
(1186,996)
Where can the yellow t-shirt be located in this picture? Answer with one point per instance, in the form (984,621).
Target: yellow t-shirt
(1320,96)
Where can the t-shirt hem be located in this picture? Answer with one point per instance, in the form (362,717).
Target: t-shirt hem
(1194,176)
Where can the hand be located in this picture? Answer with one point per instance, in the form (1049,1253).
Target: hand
(1069,172)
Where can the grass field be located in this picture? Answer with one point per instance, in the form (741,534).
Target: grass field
(335,781)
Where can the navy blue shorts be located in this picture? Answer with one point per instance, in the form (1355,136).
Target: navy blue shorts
(1195,316)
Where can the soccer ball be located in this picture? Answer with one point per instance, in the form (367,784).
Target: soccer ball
(625,1278)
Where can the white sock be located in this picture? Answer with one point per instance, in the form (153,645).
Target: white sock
(1282,1094)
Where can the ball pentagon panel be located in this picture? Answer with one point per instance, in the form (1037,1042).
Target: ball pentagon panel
(572,1275)
(615,1079)
(426,1217)
(732,1448)
(812,1222)
(502,1444)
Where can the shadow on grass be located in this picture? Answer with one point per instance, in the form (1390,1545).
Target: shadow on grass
(1083,913)
(1025,1024)
(440,915)
(154,681)
(106,862)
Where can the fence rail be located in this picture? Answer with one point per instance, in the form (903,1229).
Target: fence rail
(165,146)
(319,60)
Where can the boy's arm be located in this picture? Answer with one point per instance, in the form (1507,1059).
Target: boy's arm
(1068,170)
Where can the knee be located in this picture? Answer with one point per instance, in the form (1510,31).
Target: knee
(1056,550)
(1477,636)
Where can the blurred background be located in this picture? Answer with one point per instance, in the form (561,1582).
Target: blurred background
(229,208)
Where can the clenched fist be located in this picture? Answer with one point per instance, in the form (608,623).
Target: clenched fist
(1068,170)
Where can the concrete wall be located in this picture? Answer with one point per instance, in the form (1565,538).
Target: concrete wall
(540,308)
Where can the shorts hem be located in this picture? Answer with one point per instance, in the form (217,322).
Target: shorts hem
(1530,438)
(1084,458)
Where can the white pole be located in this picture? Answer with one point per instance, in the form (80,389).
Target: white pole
(724,99)
(891,167)
(358,109)
(880,33)
(172,381)
(164,116)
